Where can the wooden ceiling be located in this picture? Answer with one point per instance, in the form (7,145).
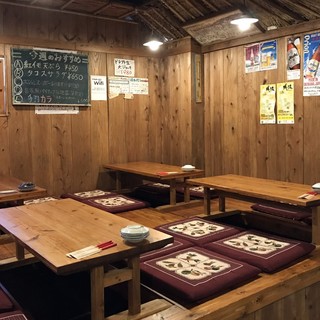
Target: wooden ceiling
(207,21)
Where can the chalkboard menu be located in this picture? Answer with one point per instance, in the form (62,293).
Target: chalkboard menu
(43,77)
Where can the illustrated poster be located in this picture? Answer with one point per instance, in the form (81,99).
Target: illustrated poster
(268,52)
(311,60)
(252,58)
(267,103)
(285,103)
(293,58)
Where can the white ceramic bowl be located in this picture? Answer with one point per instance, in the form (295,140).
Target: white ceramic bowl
(187,167)
(134,233)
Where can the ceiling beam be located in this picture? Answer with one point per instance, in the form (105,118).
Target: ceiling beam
(66,4)
(175,12)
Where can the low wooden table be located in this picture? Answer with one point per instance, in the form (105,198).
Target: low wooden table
(157,171)
(261,191)
(11,183)
(52,229)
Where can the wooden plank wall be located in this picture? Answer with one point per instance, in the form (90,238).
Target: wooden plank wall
(235,141)
(65,153)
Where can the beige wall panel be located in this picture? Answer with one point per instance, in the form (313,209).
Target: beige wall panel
(214,116)
(177,139)
(155,111)
(249,118)
(41,144)
(231,130)
(99,126)
(62,164)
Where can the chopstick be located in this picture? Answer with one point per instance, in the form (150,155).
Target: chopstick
(90,250)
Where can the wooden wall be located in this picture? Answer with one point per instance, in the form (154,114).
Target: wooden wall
(235,141)
(65,153)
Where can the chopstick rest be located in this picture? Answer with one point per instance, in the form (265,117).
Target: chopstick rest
(90,250)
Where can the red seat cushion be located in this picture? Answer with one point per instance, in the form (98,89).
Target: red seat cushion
(196,273)
(198,231)
(116,203)
(265,251)
(80,196)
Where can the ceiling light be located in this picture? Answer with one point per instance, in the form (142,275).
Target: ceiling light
(244,23)
(153,44)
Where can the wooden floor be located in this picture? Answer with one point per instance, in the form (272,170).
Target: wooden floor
(290,294)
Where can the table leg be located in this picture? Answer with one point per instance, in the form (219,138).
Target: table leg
(186,190)
(316,225)
(118,181)
(222,203)
(173,192)
(97,293)
(134,294)
(19,251)
(206,200)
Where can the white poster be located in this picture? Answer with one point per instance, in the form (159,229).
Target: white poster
(99,88)
(123,67)
(139,86)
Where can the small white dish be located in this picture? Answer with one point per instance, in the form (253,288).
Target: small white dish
(187,168)
(316,187)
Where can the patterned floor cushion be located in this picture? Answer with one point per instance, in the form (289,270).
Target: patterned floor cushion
(284,211)
(178,244)
(198,230)
(80,196)
(196,273)
(13,315)
(265,251)
(39,200)
(116,203)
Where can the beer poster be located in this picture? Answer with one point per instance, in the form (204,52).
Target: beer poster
(267,103)
(252,58)
(268,55)
(311,60)
(285,103)
(293,58)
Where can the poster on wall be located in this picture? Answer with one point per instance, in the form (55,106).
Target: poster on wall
(252,58)
(261,56)
(311,60)
(123,67)
(293,58)
(285,103)
(268,55)
(98,88)
(267,103)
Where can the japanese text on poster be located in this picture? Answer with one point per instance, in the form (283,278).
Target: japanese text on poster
(311,57)
(123,85)
(267,103)
(293,58)
(252,58)
(285,103)
(123,67)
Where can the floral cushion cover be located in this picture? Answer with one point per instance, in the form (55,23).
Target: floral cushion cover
(116,203)
(196,273)
(265,251)
(198,230)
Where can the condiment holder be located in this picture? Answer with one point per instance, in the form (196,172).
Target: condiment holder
(134,233)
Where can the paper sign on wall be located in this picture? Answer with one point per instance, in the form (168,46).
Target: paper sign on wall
(99,88)
(267,103)
(123,67)
(285,103)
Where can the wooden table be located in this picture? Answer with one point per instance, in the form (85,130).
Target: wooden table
(158,171)
(10,183)
(261,191)
(52,229)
